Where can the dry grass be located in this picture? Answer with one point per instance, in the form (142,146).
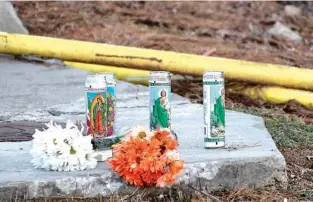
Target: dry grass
(175,195)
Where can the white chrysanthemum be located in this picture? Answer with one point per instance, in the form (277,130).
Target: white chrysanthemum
(135,132)
(149,135)
(62,149)
(138,130)
(172,155)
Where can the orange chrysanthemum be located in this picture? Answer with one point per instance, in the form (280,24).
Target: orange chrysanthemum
(147,158)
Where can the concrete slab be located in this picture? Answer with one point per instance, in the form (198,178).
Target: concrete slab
(9,21)
(37,93)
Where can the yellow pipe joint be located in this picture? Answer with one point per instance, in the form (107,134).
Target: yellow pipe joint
(272,94)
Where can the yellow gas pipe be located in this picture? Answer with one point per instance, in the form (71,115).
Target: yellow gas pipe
(120,73)
(270,94)
(138,58)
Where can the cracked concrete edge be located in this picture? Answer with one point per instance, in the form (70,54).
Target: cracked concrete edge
(9,20)
(212,176)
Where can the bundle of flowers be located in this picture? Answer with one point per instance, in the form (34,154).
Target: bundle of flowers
(62,149)
(145,158)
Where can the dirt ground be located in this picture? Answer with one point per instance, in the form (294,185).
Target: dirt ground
(235,30)
(226,29)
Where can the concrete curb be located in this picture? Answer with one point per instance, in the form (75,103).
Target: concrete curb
(9,21)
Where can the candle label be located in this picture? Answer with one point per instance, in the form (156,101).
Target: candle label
(160,105)
(96,112)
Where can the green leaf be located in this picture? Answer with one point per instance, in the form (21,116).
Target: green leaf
(72,151)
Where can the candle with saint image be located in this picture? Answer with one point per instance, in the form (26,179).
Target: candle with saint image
(214,109)
(96,105)
(160,100)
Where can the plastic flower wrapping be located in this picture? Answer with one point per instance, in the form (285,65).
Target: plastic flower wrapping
(145,158)
(62,149)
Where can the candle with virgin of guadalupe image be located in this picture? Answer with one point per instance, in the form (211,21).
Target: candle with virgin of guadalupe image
(96,106)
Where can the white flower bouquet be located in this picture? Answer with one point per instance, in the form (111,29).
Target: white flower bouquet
(62,149)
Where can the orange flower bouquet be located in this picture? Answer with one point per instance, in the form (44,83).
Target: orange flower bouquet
(145,158)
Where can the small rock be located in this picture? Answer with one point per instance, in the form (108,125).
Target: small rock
(54,112)
(292,10)
(53,62)
(280,29)
(161,196)
(311,45)
(223,32)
